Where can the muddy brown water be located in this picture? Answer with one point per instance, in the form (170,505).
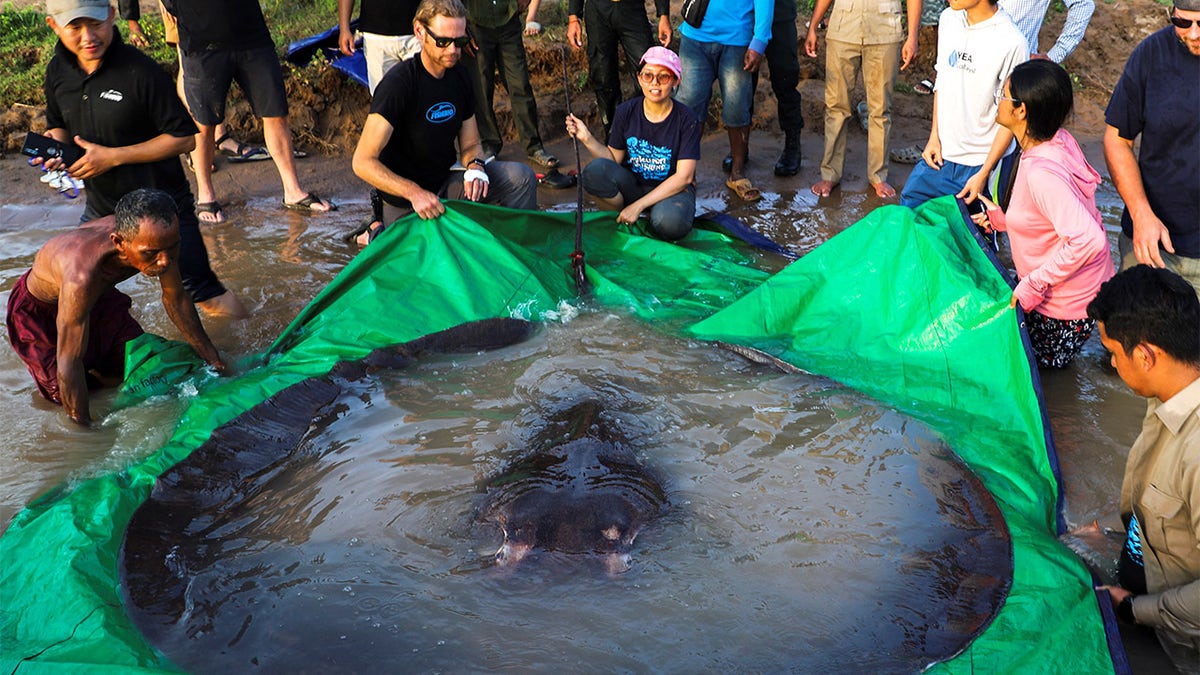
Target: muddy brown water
(278,261)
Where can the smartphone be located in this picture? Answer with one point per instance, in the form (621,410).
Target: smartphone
(37,145)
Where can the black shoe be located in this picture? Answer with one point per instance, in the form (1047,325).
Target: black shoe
(789,161)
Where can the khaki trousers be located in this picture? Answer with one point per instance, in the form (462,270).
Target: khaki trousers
(879,65)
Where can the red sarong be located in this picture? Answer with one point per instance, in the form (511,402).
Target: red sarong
(33,333)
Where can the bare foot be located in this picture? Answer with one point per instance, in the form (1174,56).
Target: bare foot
(882,190)
(823,188)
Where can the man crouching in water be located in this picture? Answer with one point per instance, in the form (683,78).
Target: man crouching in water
(69,323)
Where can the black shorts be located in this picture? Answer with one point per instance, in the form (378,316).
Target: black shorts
(208,74)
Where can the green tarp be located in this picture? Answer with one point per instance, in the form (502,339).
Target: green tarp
(903,306)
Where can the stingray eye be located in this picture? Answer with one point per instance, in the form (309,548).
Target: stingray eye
(611,533)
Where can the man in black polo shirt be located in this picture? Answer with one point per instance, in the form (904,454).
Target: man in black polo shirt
(422,106)
(120,107)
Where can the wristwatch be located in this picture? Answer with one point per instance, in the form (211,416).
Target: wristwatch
(1125,609)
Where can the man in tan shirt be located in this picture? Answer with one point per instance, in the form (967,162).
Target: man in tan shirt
(1150,322)
(863,35)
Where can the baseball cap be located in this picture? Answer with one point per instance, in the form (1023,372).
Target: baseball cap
(661,56)
(1188,5)
(66,11)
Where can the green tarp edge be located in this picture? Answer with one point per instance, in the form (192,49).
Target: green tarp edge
(59,597)
(942,345)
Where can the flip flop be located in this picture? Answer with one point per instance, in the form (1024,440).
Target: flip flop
(242,153)
(744,189)
(924,87)
(305,205)
(213,208)
(909,155)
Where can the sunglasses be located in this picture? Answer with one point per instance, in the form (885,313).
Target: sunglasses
(443,42)
(656,78)
(1180,22)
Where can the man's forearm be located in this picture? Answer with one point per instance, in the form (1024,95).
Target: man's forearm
(1079,14)
(1126,176)
(1000,143)
(183,314)
(1174,609)
(378,176)
(73,391)
(162,146)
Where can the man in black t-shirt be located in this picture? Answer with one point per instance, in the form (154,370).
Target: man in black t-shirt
(120,107)
(421,108)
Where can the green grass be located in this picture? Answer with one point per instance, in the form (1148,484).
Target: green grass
(27,43)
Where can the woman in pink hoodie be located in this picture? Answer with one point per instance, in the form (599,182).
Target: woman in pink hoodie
(1058,242)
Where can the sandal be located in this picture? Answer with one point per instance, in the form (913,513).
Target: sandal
(242,153)
(306,204)
(924,87)
(213,208)
(909,155)
(370,227)
(744,189)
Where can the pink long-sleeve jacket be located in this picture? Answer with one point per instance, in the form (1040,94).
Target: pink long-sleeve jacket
(1058,242)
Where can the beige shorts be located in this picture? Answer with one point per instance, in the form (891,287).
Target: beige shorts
(170,29)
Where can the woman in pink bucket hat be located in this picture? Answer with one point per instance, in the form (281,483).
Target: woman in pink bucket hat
(648,166)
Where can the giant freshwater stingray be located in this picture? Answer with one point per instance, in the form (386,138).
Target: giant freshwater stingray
(577,490)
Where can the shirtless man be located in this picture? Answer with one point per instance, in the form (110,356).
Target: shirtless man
(66,319)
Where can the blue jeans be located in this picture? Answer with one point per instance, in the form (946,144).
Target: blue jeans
(704,62)
(925,183)
(670,219)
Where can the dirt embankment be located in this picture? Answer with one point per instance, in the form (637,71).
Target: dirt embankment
(328,110)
